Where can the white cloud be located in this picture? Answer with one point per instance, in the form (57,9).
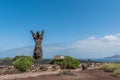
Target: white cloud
(110,37)
(91,47)
(92,38)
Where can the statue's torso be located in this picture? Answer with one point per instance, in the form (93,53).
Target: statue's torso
(38,42)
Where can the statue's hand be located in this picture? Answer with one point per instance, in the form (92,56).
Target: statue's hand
(32,32)
(42,32)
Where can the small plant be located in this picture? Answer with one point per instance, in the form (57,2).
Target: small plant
(114,68)
(110,67)
(23,63)
(116,72)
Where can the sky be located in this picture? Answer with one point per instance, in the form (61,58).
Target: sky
(87,26)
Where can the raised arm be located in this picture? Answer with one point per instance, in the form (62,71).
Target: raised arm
(33,34)
(42,33)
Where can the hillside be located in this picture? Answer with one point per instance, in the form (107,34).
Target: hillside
(113,57)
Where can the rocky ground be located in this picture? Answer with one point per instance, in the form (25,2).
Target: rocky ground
(93,74)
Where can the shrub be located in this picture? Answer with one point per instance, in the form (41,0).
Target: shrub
(28,57)
(22,63)
(57,61)
(67,63)
(114,68)
(7,59)
(111,67)
(15,58)
(70,63)
(116,72)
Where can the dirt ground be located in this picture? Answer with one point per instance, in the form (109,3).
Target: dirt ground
(95,74)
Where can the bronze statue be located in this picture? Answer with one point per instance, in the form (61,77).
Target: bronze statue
(38,37)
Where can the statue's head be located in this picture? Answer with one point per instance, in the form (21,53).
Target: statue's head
(38,34)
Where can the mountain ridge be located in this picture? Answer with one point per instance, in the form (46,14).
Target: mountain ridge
(116,56)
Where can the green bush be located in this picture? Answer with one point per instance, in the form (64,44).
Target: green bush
(111,67)
(67,63)
(15,58)
(70,63)
(56,61)
(28,57)
(7,59)
(114,68)
(116,72)
(22,64)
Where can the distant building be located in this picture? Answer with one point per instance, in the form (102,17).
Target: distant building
(58,57)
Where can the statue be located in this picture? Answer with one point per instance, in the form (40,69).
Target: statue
(38,37)
(84,66)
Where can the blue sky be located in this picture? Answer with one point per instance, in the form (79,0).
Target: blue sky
(64,21)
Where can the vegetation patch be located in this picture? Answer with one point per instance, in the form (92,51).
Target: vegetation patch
(7,59)
(67,63)
(114,68)
(116,72)
(22,56)
(22,63)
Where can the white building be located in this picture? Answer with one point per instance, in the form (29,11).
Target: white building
(58,57)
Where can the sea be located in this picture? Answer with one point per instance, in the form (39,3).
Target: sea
(103,60)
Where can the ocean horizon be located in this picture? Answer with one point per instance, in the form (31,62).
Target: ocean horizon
(103,60)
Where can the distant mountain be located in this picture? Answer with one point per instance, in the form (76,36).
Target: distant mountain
(49,51)
(113,57)
(28,50)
